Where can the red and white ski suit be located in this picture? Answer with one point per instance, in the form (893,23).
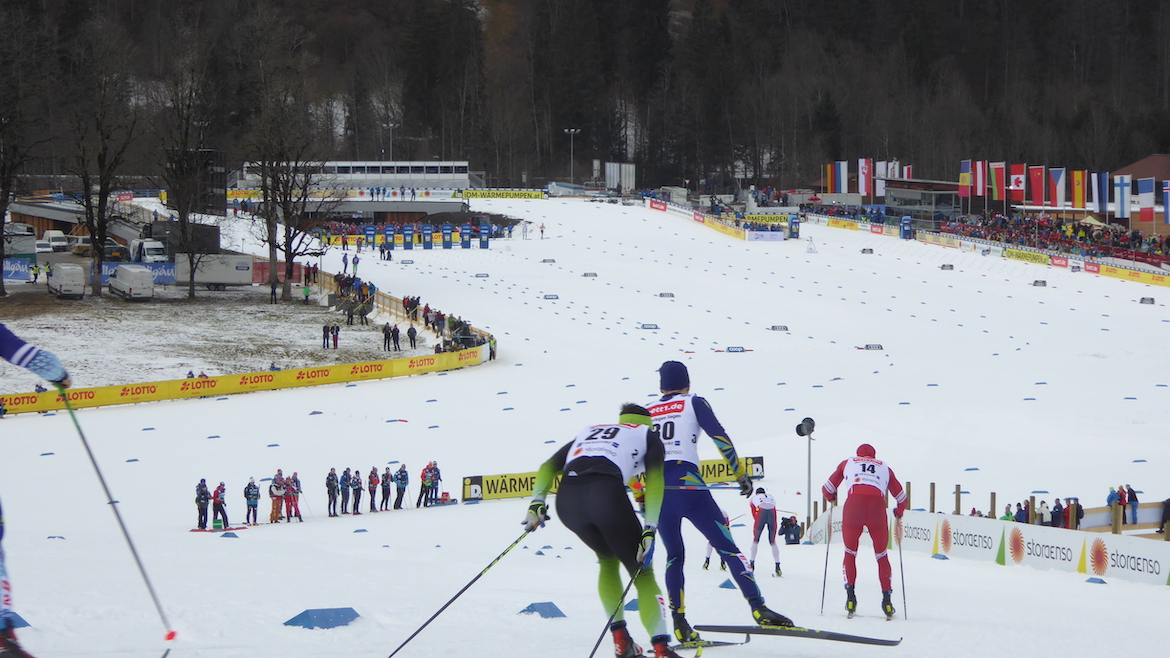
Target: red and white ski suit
(867,480)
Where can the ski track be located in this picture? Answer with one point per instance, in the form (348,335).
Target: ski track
(963,348)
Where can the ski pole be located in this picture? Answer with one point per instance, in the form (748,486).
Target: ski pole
(615,611)
(170,634)
(902,570)
(460,592)
(828,543)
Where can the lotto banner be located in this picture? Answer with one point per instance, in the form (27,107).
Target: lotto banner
(846,224)
(725,229)
(244,383)
(940,240)
(519,485)
(1134,275)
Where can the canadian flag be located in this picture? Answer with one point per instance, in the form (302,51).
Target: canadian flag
(1017,181)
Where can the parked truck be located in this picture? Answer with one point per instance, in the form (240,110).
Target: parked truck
(215,271)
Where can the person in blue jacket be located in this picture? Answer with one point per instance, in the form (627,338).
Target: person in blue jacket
(45,364)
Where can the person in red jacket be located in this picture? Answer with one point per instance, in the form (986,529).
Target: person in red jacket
(374,481)
(219,504)
(867,479)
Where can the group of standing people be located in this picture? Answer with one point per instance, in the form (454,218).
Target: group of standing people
(350,483)
(1124,496)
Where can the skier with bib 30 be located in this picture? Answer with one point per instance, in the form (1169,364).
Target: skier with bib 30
(679,418)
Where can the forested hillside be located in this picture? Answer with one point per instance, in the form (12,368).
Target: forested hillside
(761,90)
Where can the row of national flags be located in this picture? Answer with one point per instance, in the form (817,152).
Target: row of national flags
(1057,187)
(871,176)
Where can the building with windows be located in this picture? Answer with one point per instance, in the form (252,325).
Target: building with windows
(350,174)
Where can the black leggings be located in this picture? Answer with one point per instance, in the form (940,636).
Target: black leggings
(597,509)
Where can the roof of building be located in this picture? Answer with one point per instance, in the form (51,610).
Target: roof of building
(1156,166)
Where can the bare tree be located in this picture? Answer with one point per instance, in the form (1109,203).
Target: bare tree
(24,55)
(103,123)
(184,101)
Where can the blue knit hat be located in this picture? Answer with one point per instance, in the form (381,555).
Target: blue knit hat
(673,376)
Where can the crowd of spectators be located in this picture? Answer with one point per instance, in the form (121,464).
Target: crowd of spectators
(1057,234)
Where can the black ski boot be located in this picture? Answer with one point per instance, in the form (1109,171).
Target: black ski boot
(778,571)
(623,644)
(887,606)
(9,647)
(850,601)
(682,630)
(766,617)
(706,563)
(752,565)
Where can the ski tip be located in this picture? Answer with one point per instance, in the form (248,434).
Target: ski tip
(170,636)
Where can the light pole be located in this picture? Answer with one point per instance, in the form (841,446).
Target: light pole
(392,126)
(805,428)
(571,132)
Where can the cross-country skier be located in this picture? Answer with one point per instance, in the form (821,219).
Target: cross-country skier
(345,489)
(679,417)
(292,498)
(331,490)
(868,481)
(355,485)
(219,504)
(373,480)
(764,513)
(276,493)
(387,483)
(45,364)
(202,500)
(401,479)
(252,500)
(592,502)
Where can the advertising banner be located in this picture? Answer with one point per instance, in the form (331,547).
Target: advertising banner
(427,232)
(484,233)
(448,236)
(1007,543)
(767,236)
(846,224)
(408,237)
(243,383)
(17,269)
(465,236)
(1028,256)
(519,485)
(1133,275)
(658,205)
(388,236)
(725,229)
(504,194)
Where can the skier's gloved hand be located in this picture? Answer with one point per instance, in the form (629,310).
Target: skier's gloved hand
(536,516)
(646,547)
(48,366)
(745,485)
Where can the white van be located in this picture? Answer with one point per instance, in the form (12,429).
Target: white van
(147,251)
(57,239)
(66,280)
(132,282)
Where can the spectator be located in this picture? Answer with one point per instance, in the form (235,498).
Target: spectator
(424,487)
(306,291)
(326,331)
(387,482)
(401,479)
(344,260)
(436,478)
(252,501)
(276,493)
(1122,501)
(411,334)
(292,498)
(336,331)
(190,374)
(1057,514)
(1007,513)
(791,530)
(202,498)
(219,505)
(1043,516)
(1021,514)
(1131,496)
(394,337)
(331,491)
(373,481)
(1165,516)
(355,485)
(345,489)
(386,341)
(272,367)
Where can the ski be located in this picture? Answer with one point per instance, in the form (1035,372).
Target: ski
(701,644)
(243,527)
(796,631)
